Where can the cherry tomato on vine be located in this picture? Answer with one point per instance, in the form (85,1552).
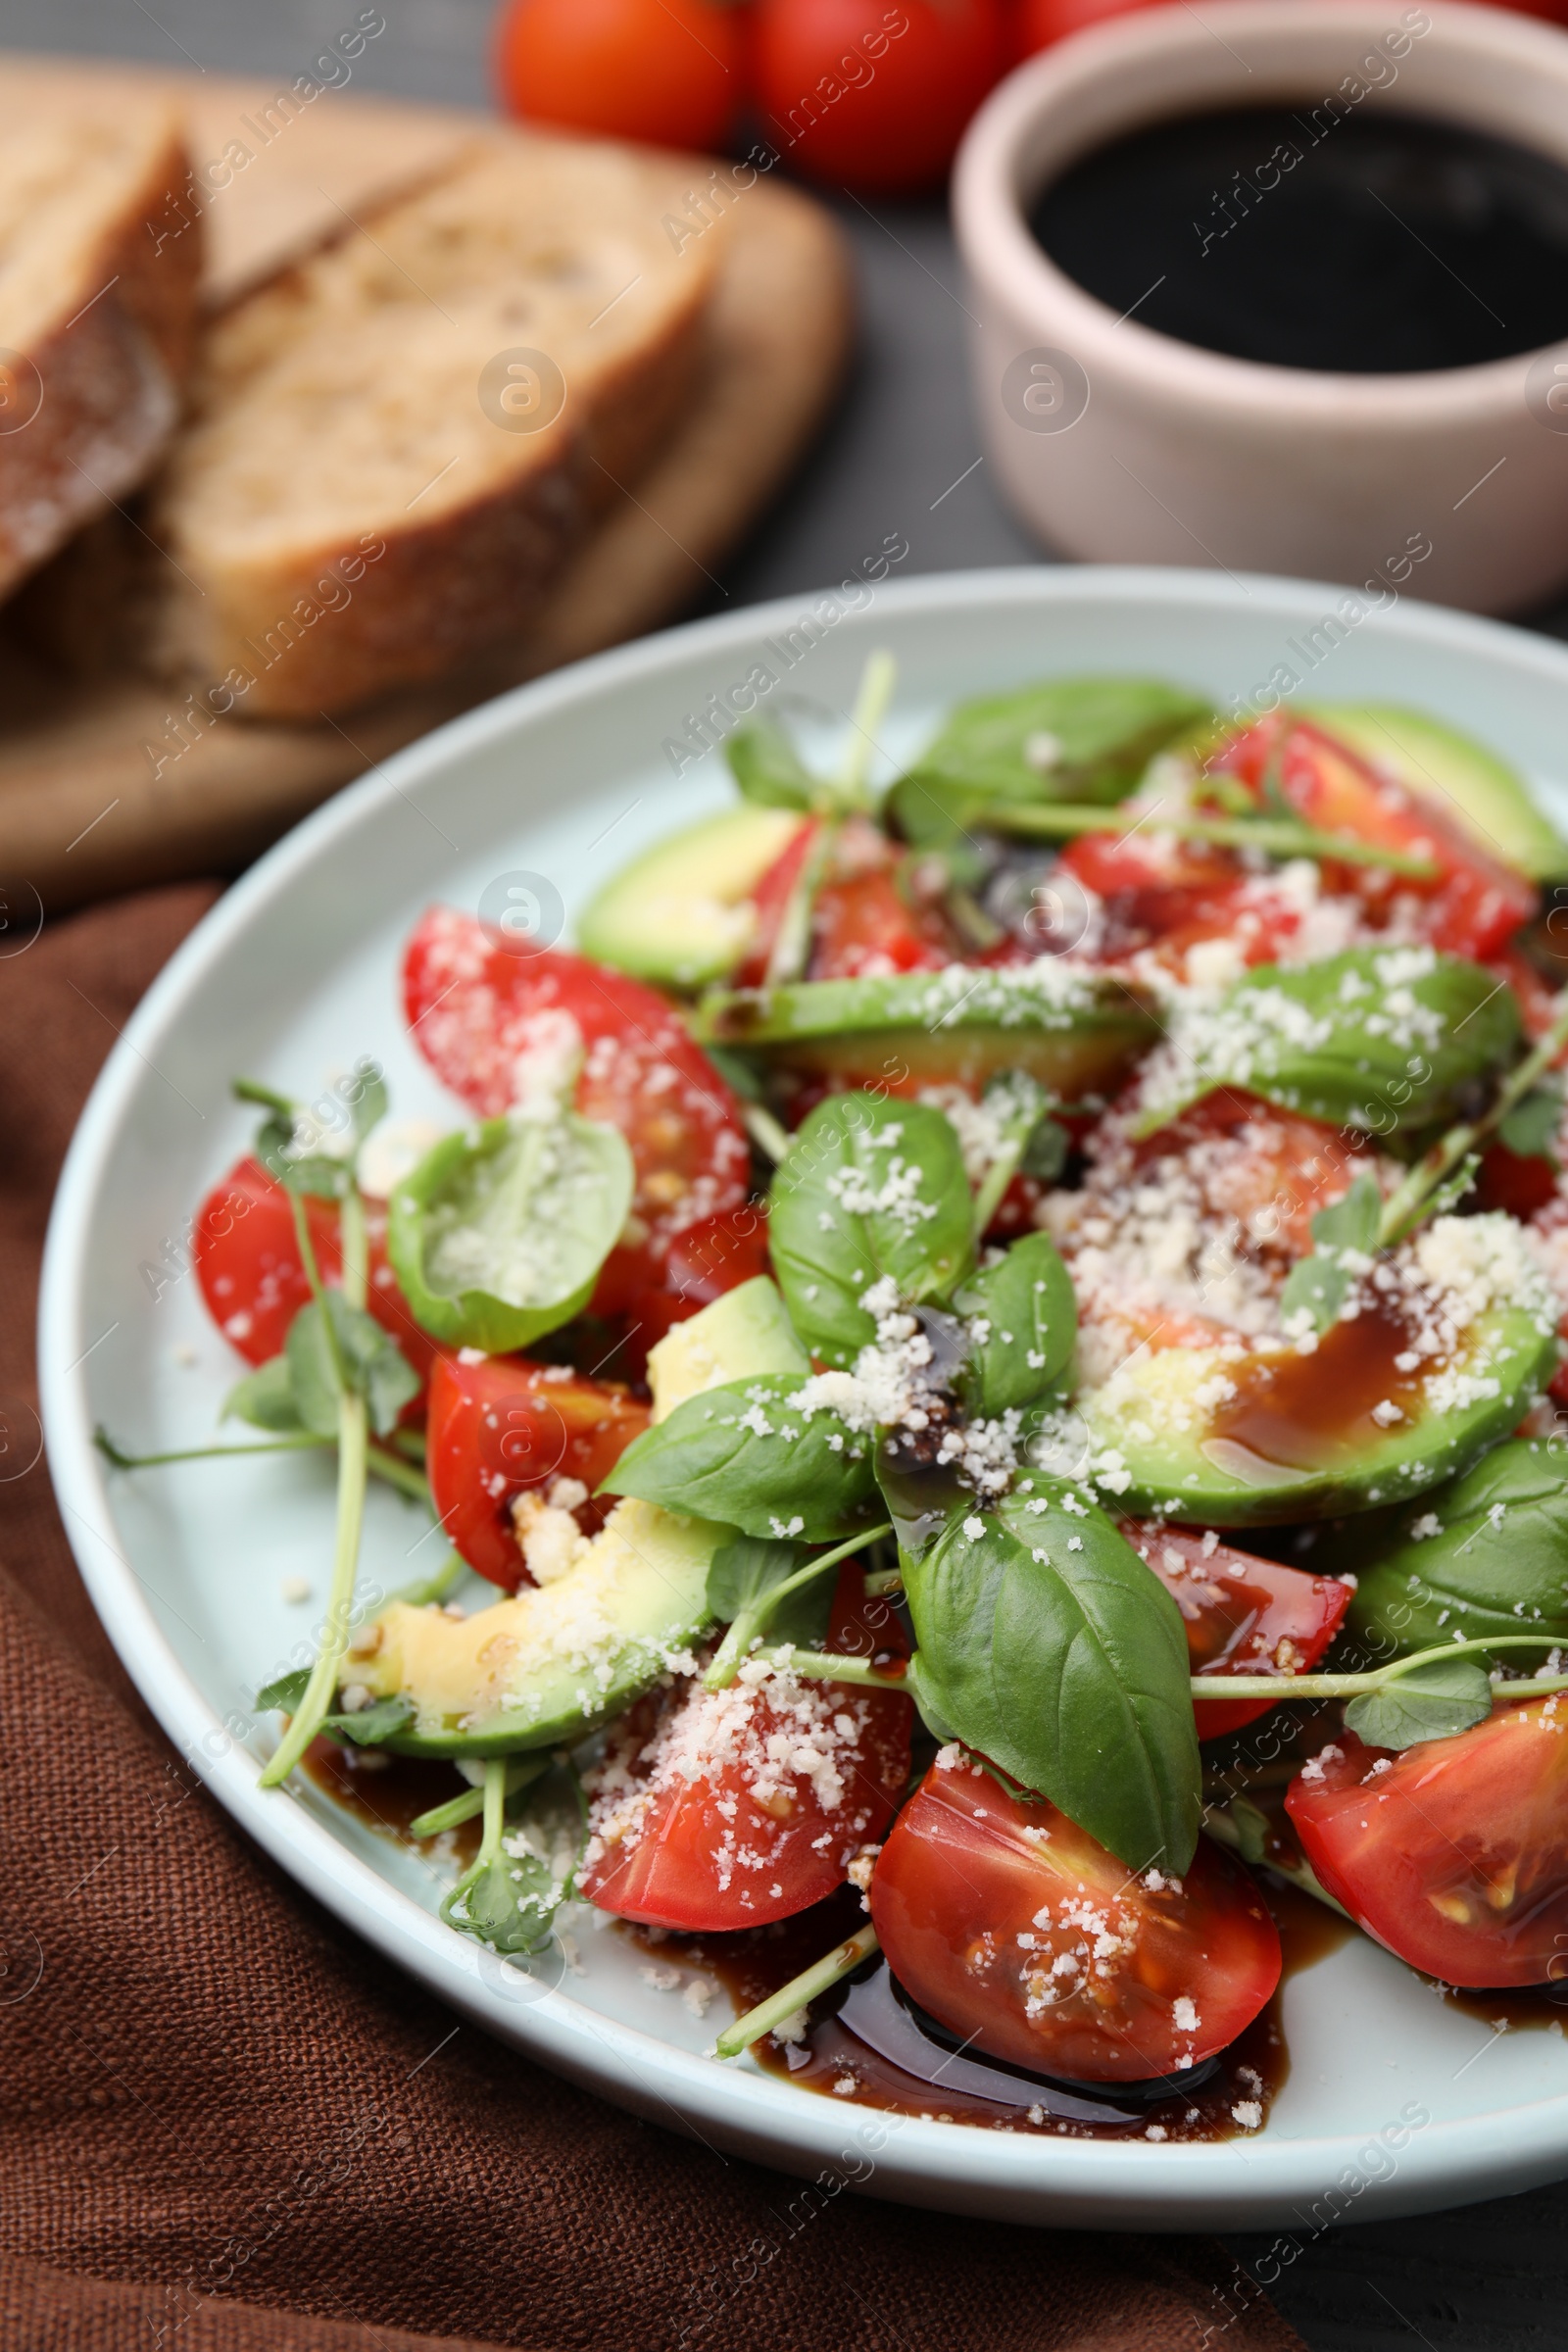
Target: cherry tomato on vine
(1453,1853)
(1243,1615)
(720,1809)
(670,71)
(248,1264)
(485,1012)
(859,93)
(1016,1930)
(503,1425)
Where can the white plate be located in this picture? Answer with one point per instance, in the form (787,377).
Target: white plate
(294,973)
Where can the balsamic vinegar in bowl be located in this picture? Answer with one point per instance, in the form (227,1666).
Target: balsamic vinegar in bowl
(1364,244)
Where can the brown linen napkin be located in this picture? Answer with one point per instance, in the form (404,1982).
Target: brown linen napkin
(226,2125)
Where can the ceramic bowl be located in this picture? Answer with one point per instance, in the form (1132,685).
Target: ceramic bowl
(1117,443)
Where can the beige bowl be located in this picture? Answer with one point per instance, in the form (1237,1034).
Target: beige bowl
(1118,444)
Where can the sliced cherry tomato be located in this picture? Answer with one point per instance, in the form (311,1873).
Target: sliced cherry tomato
(703,1262)
(1473,905)
(501,1425)
(718,1809)
(852,101)
(769,900)
(1453,1853)
(1520,1186)
(864,928)
(1014,1928)
(664,71)
(1271,1170)
(1243,1615)
(481,1009)
(248,1264)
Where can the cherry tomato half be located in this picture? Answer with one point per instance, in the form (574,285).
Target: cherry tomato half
(480,1007)
(503,1424)
(248,1264)
(1243,1615)
(671,72)
(873,97)
(718,1809)
(1473,905)
(1013,1928)
(1454,1854)
(769,899)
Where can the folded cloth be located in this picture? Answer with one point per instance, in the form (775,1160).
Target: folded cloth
(227,2126)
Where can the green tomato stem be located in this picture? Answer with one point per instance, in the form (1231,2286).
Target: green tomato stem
(1281,837)
(841,1962)
(1404,1209)
(520,1772)
(353,1442)
(732,1650)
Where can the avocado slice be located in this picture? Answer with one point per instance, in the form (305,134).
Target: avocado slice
(1075,1031)
(681,913)
(550,1664)
(1221,1439)
(1488,798)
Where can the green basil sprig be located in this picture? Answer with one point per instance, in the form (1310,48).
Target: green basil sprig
(1389,1041)
(869,1188)
(742,1455)
(752,1582)
(499,1233)
(1487,1555)
(1023,1324)
(1046,1644)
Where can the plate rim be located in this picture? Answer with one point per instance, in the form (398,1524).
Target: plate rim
(1041,2180)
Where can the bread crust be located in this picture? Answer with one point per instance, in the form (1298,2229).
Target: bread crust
(105,386)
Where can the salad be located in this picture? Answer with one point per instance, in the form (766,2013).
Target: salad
(987,1350)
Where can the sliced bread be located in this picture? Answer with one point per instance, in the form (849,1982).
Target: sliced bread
(97,313)
(396,442)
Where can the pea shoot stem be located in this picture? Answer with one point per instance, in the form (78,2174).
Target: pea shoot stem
(1405,1208)
(830,1970)
(352,1466)
(381,1462)
(1378,1678)
(493,1801)
(765,1131)
(872,702)
(520,1772)
(732,1650)
(828,1666)
(1281,837)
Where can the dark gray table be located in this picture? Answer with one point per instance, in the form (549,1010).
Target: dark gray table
(902,455)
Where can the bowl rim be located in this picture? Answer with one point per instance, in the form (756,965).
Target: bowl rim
(1006,262)
(1081,2184)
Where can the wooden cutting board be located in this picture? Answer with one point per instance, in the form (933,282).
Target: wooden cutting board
(82,813)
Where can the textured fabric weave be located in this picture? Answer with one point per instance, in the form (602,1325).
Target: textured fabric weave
(226,2125)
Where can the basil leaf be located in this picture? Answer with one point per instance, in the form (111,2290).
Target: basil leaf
(870,1189)
(1488,1553)
(1532,1127)
(1066,739)
(739,1454)
(1317,1286)
(374,1364)
(744,1573)
(1023,1325)
(369,1726)
(283,1694)
(1073,1030)
(499,1233)
(265,1398)
(511,1903)
(1046,1644)
(1429,1702)
(1395,1041)
(769,769)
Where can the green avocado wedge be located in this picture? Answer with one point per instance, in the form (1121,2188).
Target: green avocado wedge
(553,1662)
(1075,1032)
(1208,1437)
(1487,797)
(680,914)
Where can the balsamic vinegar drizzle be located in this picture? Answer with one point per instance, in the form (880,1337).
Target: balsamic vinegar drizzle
(1390,244)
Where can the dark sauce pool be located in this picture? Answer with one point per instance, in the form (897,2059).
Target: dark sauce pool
(1363,242)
